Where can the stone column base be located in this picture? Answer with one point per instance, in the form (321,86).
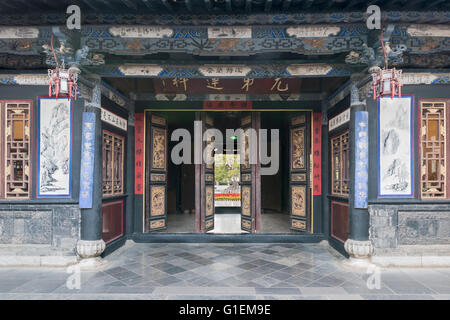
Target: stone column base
(360,253)
(89,251)
(90,248)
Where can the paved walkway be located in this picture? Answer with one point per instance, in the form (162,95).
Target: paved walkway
(224,271)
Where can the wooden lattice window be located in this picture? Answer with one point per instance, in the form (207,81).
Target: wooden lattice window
(340,164)
(16,149)
(433,149)
(113,157)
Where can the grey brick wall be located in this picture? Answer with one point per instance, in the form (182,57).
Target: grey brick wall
(55,226)
(393,225)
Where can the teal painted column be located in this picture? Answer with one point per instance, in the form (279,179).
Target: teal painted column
(358,246)
(90,246)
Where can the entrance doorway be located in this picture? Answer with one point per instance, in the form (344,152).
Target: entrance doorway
(285,195)
(226,192)
(232,132)
(170,185)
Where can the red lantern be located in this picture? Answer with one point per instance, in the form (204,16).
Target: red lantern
(387,82)
(62,83)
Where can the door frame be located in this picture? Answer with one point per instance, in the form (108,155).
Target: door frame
(257,225)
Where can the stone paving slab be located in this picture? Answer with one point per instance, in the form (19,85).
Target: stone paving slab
(226,272)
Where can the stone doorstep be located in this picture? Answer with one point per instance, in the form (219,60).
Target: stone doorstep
(411,261)
(37,261)
(413,256)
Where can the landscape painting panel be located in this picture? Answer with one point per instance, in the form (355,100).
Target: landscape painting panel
(395,148)
(55,132)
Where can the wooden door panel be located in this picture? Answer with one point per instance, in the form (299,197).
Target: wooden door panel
(248,172)
(156,172)
(299,171)
(207,175)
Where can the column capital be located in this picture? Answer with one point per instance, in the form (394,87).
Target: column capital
(324,110)
(130,105)
(95,98)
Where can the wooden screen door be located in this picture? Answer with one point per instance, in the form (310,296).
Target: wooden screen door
(205,173)
(299,171)
(156,162)
(250,168)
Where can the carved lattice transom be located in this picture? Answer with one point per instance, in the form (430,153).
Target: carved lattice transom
(433,151)
(17,150)
(340,164)
(113,157)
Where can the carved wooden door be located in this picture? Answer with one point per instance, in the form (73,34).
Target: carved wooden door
(250,166)
(156,160)
(299,171)
(207,172)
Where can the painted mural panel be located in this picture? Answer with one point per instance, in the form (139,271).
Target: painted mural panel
(158,200)
(395,149)
(157,177)
(209,150)
(246,225)
(298,224)
(157,224)
(245,150)
(55,147)
(209,200)
(298,177)
(246,200)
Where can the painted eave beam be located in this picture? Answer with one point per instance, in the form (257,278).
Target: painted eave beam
(221,70)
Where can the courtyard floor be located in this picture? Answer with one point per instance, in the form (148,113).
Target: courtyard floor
(224,271)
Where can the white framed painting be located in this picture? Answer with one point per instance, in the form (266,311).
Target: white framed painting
(54,147)
(395,147)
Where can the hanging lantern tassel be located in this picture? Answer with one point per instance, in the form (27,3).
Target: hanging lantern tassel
(387,81)
(62,82)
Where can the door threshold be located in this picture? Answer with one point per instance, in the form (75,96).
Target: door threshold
(227,238)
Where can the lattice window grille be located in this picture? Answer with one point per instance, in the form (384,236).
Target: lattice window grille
(340,164)
(17,151)
(113,157)
(433,150)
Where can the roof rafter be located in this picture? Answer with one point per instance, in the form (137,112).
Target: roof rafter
(167,5)
(129,4)
(90,5)
(208,5)
(248,6)
(188,5)
(268,6)
(228,6)
(148,3)
(286,4)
